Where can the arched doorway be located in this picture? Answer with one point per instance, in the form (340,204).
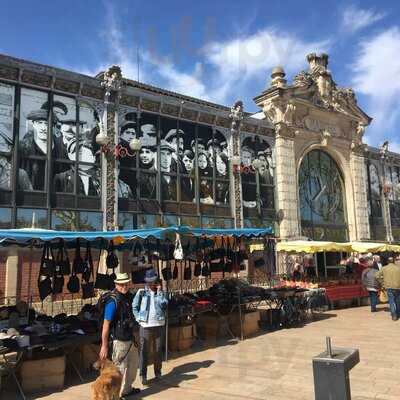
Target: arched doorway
(322,198)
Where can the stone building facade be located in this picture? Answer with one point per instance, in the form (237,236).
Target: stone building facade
(106,152)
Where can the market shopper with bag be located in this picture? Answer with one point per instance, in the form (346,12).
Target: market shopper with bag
(370,283)
(149,307)
(118,327)
(389,277)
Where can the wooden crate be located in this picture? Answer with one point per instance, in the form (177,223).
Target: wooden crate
(249,321)
(45,374)
(181,337)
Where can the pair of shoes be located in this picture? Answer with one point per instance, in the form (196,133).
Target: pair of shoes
(144,381)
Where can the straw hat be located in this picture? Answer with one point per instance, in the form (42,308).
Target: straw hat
(122,278)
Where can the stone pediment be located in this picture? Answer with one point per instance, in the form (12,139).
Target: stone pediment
(314,103)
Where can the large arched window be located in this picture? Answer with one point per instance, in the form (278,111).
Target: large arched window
(321,188)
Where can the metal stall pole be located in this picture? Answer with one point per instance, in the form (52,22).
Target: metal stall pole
(166,325)
(240,314)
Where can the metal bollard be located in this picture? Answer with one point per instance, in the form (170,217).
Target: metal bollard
(331,372)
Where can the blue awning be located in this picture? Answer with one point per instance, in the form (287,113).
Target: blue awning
(244,232)
(25,236)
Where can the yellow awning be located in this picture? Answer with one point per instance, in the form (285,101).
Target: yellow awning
(306,246)
(369,247)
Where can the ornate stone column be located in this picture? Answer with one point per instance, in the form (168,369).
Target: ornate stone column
(360,180)
(385,193)
(112,82)
(236,116)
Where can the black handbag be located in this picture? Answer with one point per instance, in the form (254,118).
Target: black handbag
(175,272)
(63,259)
(87,290)
(78,264)
(205,270)
(138,275)
(187,273)
(73,284)
(197,270)
(58,284)
(103,281)
(44,280)
(88,264)
(260,262)
(111,259)
(47,264)
(166,272)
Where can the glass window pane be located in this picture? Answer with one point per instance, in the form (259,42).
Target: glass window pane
(148,185)
(7,95)
(190,221)
(64,127)
(168,187)
(207,222)
(267,196)
(89,180)
(5,175)
(170,220)
(222,192)
(126,221)
(88,128)
(149,221)
(5,218)
(27,216)
(206,191)
(64,178)
(64,220)
(90,221)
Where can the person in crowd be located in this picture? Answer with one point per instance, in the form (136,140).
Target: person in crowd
(297,272)
(174,138)
(263,170)
(205,189)
(147,163)
(222,187)
(188,182)
(213,148)
(127,133)
(362,265)
(119,328)
(370,283)
(168,182)
(377,262)
(149,308)
(60,110)
(389,278)
(201,147)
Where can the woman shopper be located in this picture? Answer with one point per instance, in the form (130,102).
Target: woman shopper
(370,282)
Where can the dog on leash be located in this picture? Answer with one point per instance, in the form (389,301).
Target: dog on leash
(108,385)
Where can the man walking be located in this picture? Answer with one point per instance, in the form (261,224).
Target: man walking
(370,282)
(149,307)
(119,324)
(390,276)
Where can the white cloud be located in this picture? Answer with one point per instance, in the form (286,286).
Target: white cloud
(355,19)
(375,73)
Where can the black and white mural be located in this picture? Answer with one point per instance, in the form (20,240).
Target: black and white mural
(256,172)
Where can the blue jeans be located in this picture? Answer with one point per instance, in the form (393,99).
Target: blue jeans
(373,297)
(394,301)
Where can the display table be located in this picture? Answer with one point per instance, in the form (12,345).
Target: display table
(345,292)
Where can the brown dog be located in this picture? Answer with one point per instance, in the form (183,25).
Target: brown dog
(108,384)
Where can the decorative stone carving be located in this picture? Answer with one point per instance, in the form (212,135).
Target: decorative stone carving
(325,137)
(278,77)
(112,81)
(303,79)
(236,115)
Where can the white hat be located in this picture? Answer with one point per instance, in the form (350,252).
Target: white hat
(122,278)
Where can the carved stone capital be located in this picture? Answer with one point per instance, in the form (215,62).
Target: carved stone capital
(280,111)
(284,131)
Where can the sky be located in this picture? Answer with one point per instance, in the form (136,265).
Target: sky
(219,50)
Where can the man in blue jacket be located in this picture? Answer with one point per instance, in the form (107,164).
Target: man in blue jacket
(149,308)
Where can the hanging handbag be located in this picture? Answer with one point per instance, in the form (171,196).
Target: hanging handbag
(197,269)
(260,262)
(112,259)
(175,272)
(103,281)
(47,264)
(166,272)
(44,279)
(205,270)
(187,273)
(178,251)
(87,264)
(383,297)
(58,279)
(63,262)
(78,264)
(73,284)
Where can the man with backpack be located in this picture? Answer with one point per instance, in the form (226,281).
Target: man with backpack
(149,307)
(118,325)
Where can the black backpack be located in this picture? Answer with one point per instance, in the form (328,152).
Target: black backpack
(101,305)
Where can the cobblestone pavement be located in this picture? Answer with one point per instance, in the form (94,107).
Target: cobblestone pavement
(277,365)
